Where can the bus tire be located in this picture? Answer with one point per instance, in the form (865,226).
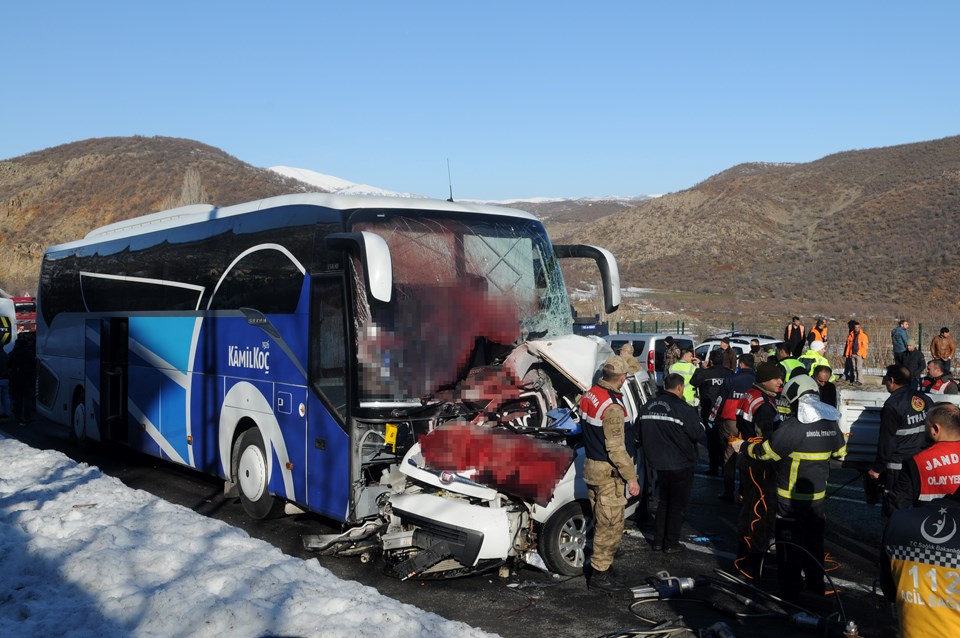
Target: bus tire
(251,475)
(563,538)
(78,429)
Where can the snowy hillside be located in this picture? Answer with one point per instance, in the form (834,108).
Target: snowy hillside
(340,186)
(337,185)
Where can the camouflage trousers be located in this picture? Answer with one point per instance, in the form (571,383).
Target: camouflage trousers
(607,499)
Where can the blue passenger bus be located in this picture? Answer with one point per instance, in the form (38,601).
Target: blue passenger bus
(294,346)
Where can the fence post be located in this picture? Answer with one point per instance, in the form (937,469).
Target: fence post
(919,335)
(641,325)
(656,326)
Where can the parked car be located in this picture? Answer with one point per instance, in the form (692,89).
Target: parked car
(739,342)
(26,313)
(648,348)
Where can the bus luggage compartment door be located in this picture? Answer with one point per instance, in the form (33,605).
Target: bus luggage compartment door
(114,346)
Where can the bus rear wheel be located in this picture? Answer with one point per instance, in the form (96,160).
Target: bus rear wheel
(251,474)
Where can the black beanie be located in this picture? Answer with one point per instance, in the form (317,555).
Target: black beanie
(767,371)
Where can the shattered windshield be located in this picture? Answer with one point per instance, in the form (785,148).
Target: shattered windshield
(464,289)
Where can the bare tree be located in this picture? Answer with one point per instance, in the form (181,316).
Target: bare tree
(191,191)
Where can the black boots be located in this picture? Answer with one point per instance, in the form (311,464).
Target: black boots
(607,581)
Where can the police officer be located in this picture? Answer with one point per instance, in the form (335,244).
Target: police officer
(935,471)
(724,418)
(610,442)
(669,432)
(707,380)
(802,448)
(902,432)
(921,549)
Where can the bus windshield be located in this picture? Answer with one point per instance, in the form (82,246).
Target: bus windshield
(465,290)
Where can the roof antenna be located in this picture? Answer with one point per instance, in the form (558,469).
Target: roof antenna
(449,181)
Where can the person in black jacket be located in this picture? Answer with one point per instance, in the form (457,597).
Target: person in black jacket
(903,433)
(802,448)
(724,418)
(914,362)
(23,373)
(708,381)
(828,390)
(669,431)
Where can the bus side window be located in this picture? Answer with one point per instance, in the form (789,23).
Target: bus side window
(328,341)
(265,279)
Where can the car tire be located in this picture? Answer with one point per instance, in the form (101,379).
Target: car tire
(563,538)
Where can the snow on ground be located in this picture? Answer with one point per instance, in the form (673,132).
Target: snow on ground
(81,554)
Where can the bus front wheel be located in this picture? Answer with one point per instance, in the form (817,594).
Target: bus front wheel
(79,431)
(251,474)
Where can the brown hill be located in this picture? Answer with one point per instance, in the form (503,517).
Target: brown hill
(865,228)
(59,194)
(861,227)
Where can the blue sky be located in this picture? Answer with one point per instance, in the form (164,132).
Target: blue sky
(524,98)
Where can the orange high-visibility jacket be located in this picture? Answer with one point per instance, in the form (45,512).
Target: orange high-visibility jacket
(861,345)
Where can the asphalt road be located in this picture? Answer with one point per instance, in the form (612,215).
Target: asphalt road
(527,602)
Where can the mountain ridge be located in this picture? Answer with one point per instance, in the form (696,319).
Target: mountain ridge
(866,226)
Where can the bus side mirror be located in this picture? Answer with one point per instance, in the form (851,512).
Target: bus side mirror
(609,272)
(375,256)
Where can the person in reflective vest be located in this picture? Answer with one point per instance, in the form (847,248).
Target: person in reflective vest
(794,336)
(935,471)
(685,367)
(921,567)
(802,448)
(855,351)
(813,357)
(903,432)
(610,444)
(818,332)
(789,366)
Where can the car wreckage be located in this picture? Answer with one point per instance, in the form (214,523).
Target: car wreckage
(466,447)
(496,476)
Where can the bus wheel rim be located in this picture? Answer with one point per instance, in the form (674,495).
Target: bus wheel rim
(252,473)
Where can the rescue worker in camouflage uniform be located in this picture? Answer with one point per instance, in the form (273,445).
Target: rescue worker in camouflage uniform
(610,444)
(626,353)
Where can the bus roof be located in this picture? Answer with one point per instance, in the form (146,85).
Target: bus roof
(192,214)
